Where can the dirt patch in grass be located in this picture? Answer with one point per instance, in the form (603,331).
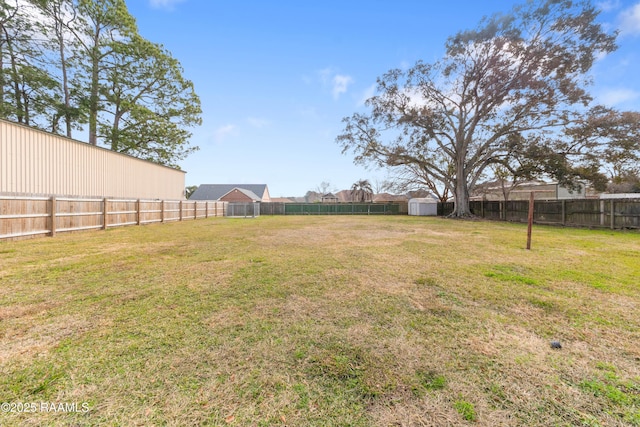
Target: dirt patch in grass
(25,341)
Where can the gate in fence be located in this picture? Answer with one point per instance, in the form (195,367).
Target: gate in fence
(243,209)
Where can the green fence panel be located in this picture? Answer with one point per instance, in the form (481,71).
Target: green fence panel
(331,209)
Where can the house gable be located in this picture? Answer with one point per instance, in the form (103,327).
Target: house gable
(240,195)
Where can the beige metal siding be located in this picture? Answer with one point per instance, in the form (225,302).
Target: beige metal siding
(33,162)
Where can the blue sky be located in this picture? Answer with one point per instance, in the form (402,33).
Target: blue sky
(276,77)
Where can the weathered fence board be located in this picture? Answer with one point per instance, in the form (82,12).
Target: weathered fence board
(36,216)
(594,213)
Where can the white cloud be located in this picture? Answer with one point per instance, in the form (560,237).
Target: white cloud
(630,20)
(337,83)
(608,5)
(368,93)
(258,122)
(340,83)
(309,113)
(325,75)
(615,97)
(164,4)
(223,132)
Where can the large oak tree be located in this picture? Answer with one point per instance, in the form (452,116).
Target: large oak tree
(517,81)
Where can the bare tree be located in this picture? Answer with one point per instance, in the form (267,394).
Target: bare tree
(382,186)
(325,187)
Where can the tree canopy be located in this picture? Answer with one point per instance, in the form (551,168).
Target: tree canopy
(81,64)
(511,93)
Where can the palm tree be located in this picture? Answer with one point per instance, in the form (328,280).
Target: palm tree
(361,191)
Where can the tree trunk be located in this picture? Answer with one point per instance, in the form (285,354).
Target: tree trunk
(25,106)
(461,196)
(2,113)
(93,98)
(115,128)
(65,86)
(93,90)
(15,77)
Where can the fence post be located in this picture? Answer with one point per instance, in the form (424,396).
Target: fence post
(180,209)
(206,209)
(53,215)
(564,212)
(195,210)
(161,210)
(138,212)
(613,215)
(105,213)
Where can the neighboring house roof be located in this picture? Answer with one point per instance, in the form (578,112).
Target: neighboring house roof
(250,194)
(282,200)
(216,191)
(344,195)
(386,197)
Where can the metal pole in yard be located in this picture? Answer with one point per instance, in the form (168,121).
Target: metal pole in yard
(530,220)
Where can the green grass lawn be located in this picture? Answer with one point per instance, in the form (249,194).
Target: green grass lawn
(322,321)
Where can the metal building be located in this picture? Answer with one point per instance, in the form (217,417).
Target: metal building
(34,162)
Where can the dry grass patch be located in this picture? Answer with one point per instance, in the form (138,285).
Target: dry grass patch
(326,321)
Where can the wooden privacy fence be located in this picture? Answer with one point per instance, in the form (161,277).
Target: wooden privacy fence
(33,216)
(594,213)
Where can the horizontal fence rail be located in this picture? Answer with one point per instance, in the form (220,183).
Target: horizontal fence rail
(593,213)
(33,216)
(274,208)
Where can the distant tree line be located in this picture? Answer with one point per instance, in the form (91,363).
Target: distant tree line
(67,65)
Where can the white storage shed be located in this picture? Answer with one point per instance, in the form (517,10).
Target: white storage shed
(423,207)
